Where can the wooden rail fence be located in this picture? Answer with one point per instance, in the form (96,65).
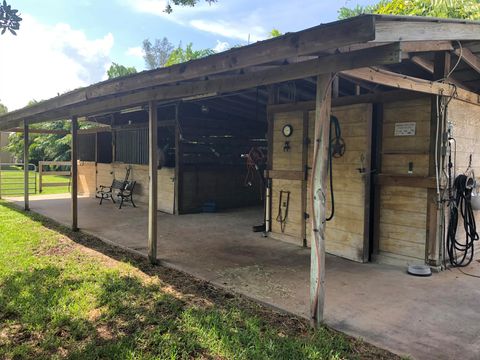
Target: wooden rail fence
(42,171)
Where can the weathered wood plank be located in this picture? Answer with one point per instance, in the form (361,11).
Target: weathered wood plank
(392,79)
(317,196)
(388,29)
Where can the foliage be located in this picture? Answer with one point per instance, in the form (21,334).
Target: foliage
(9,19)
(181,55)
(162,53)
(157,54)
(117,70)
(52,147)
(3,109)
(191,3)
(461,9)
(274,33)
(61,300)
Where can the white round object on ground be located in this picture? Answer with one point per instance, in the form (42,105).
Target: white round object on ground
(419,270)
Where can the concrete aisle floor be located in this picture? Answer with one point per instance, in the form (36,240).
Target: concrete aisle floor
(427,318)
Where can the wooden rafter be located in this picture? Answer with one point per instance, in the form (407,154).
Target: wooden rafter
(470,58)
(399,81)
(428,66)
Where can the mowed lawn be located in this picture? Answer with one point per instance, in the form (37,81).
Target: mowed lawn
(12,183)
(67,295)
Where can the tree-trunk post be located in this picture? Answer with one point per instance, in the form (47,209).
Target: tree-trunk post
(152,186)
(318,198)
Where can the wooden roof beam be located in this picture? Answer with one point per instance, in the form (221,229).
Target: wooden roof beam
(388,29)
(428,66)
(469,58)
(399,81)
(407,47)
(322,37)
(39,131)
(386,54)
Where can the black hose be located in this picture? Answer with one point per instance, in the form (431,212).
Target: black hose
(335,149)
(461,253)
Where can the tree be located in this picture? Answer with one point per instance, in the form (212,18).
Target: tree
(162,53)
(157,54)
(191,3)
(9,20)
(117,70)
(53,147)
(461,9)
(50,147)
(274,33)
(181,55)
(3,109)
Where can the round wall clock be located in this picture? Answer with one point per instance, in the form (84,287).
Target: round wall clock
(287,130)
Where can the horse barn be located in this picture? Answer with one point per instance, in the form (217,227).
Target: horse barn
(247,166)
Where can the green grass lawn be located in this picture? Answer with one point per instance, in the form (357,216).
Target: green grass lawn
(12,183)
(68,295)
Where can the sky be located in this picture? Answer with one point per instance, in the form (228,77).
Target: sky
(66,44)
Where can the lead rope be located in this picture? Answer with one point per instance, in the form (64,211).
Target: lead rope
(336,149)
(282,217)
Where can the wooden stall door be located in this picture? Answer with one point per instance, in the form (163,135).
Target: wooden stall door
(347,234)
(402,224)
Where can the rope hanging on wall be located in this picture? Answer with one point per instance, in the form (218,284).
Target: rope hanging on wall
(461,253)
(283,215)
(336,149)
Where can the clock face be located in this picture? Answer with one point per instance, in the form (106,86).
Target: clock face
(287,130)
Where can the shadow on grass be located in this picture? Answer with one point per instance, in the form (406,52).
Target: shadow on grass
(143,320)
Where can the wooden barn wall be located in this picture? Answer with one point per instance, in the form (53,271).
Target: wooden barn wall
(288,161)
(86,178)
(403,210)
(345,233)
(465,119)
(139,173)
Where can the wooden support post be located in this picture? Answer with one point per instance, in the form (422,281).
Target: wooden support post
(152,185)
(441,69)
(74,175)
(318,198)
(272,99)
(178,162)
(369,191)
(377,135)
(26,143)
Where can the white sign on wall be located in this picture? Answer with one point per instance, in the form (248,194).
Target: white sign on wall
(405,129)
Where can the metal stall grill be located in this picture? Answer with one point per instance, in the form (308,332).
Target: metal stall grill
(131,146)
